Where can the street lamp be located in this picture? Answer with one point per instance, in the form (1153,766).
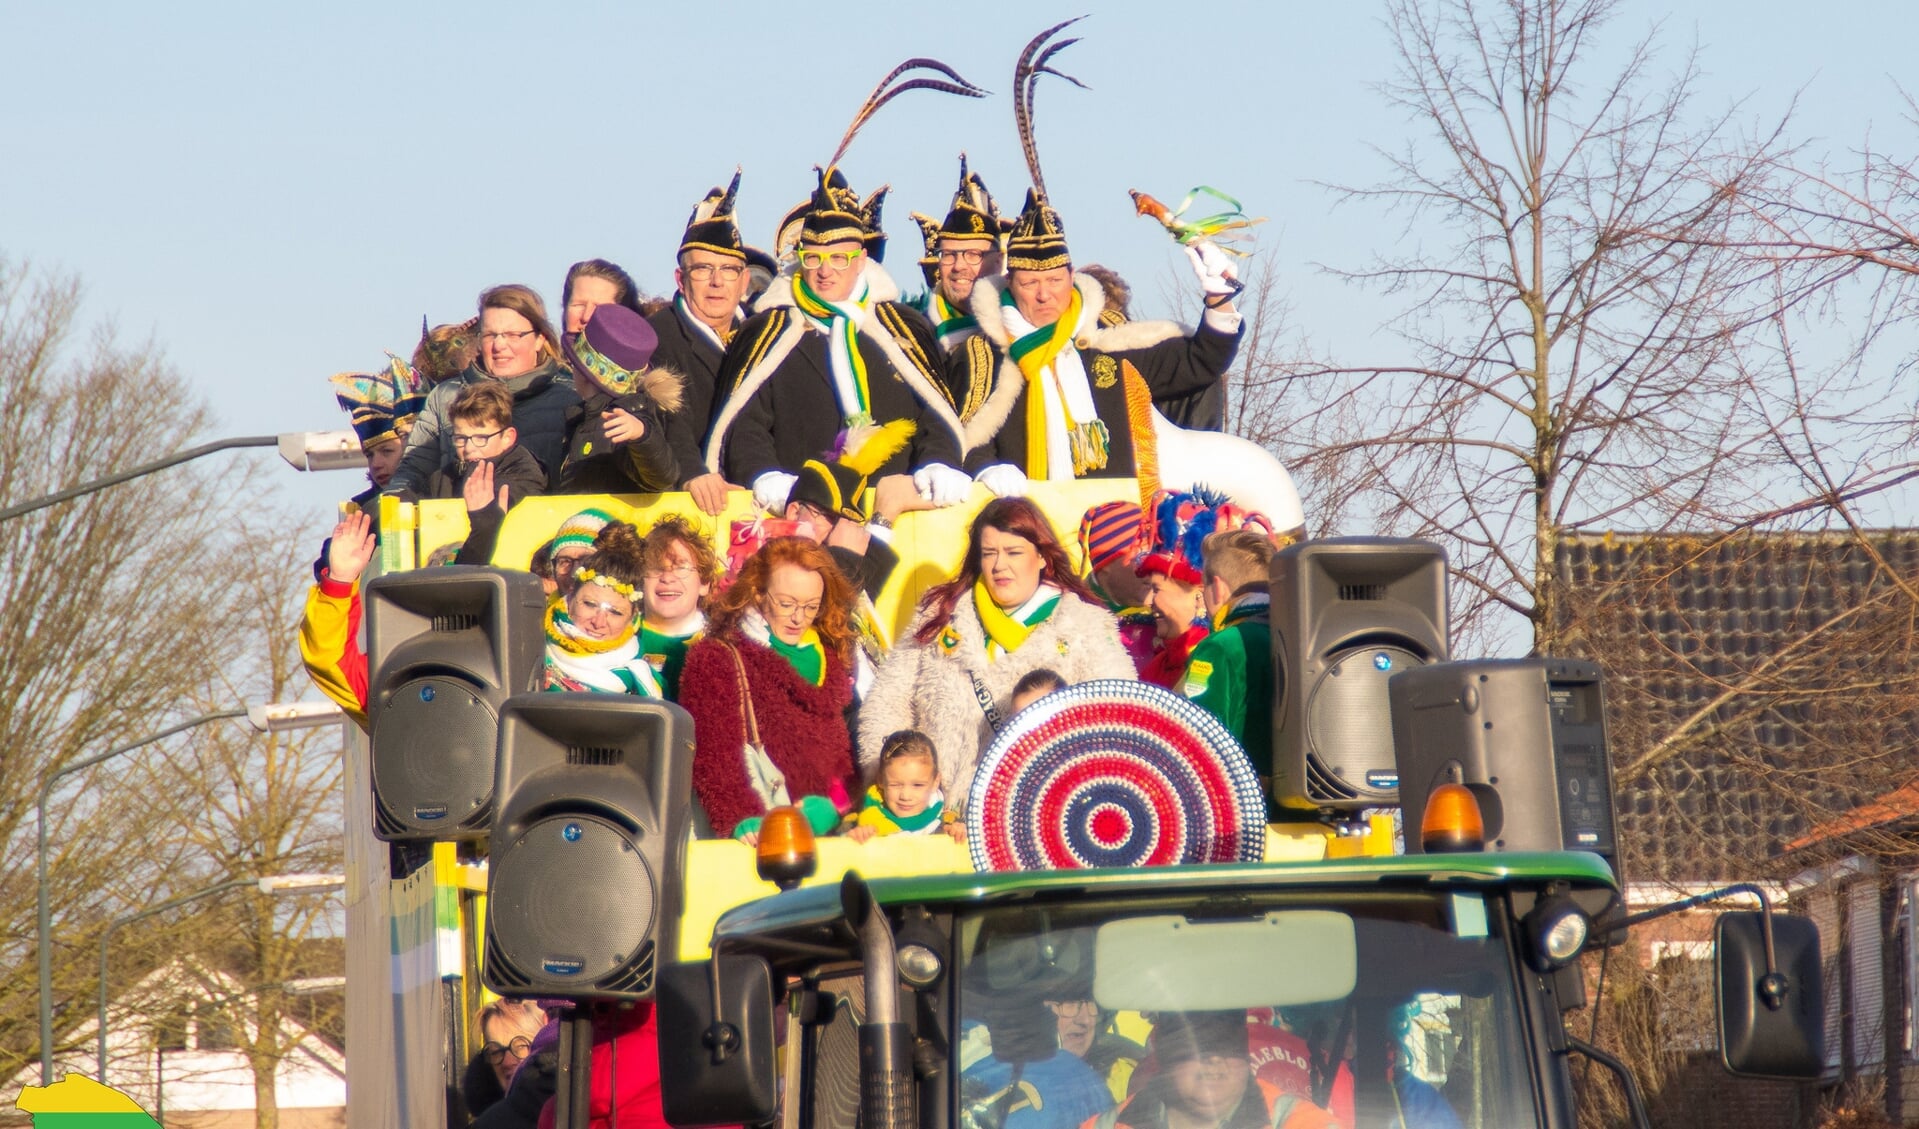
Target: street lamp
(273,719)
(276,885)
(303,450)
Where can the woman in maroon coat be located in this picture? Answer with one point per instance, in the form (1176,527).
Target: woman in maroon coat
(785,630)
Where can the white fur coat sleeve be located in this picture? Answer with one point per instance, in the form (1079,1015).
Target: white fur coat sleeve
(888,706)
(929,687)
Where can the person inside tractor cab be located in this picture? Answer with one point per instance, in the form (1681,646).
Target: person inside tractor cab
(1087,1032)
(1027,1081)
(1205,1080)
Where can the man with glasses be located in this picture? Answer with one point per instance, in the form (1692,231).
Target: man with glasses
(833,349)
(694,330)
(960,249)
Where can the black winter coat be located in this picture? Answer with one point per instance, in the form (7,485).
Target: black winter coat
(596,465)
(685,350)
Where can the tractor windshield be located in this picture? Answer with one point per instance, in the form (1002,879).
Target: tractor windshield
(1245,1012)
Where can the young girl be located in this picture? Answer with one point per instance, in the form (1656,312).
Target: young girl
(907,799)
(592,637)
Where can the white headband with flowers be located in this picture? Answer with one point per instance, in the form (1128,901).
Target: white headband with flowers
(588,576)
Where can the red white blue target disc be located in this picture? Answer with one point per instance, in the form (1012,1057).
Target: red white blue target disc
(1114,773)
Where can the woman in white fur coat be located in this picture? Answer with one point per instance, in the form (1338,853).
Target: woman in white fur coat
(1015,607)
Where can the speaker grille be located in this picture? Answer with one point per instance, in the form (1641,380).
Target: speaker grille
(433,758)
(1362,591)
(457,622)
(594,755)
(571,909)
(1349,723)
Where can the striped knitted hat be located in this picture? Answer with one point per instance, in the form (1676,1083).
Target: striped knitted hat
(580,529)
(1109,533)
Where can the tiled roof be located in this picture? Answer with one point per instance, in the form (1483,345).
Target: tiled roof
(1788,658)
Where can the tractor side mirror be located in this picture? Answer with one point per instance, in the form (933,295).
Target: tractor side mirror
(1770,1025)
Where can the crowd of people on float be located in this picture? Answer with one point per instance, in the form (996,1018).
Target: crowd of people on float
(804,378)
(839,409)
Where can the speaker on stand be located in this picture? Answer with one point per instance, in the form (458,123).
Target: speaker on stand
(1348,613)
(445,648)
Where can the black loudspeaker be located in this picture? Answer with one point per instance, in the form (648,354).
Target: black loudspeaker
(1348,613)
(1526,736)
(445,647)
(583,879)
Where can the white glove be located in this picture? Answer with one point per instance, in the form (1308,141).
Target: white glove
(942,485)
(1214,268)
(771,488)
(1004,479)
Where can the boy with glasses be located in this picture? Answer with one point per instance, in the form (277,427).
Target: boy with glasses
(491,471)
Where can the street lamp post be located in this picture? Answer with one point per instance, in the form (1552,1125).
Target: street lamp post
(278,884)
(304,450)
(273,718)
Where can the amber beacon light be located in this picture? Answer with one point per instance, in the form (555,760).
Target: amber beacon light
(1452,822)
(786,853)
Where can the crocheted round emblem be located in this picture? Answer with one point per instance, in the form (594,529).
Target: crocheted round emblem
(1114,773)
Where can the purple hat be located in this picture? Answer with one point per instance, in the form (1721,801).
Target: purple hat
(614,349)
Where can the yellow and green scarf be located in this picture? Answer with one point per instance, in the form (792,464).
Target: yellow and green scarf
(838,319)
(1003,629)
(945,317)
(807,656)
(1034,354)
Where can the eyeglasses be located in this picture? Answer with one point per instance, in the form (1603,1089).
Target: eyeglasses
(567,564)
(970,258)
(480,440)
(786,606)
(686,570)
(611,611)
(496,1054)
(703,271)
(1073,1009)
(511,337)
(838,260)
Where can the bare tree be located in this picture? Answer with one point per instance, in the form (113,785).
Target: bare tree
(107,629)
(1578,330)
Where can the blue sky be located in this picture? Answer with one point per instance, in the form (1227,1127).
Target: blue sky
(272,194)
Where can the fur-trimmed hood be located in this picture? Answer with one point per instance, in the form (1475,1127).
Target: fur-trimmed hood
(1009,382)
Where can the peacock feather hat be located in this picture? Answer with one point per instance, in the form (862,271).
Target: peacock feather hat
(380,405)
(711,226)
(1038,238)
(445,350)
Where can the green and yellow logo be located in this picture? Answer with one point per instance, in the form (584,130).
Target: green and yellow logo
(78,1102)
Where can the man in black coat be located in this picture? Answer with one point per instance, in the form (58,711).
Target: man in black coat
(694,330)
(1098,382)
(832,349)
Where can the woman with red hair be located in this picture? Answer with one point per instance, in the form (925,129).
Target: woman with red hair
(768,687)
(1015,607)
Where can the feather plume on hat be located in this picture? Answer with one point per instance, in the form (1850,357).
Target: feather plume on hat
(835,482)
(836,213)
(1038,240)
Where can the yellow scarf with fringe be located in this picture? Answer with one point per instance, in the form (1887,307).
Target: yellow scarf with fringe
(1034,355)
